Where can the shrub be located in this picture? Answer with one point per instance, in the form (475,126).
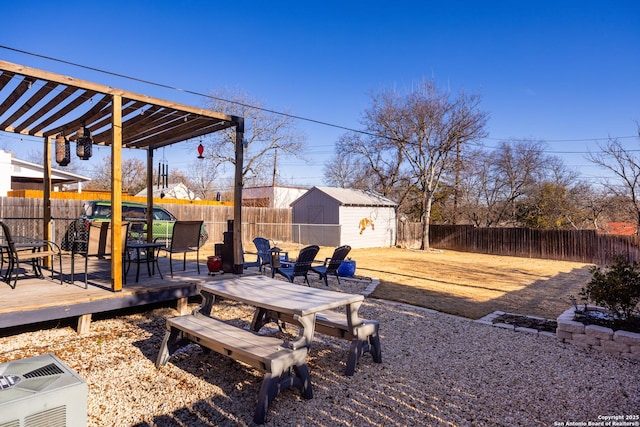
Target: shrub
(617,288)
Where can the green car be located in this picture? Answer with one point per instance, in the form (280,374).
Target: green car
(136,214)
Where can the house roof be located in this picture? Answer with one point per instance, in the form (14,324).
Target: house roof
(620,228)
(349,197)
(24,169)
(40,103)
(173,191)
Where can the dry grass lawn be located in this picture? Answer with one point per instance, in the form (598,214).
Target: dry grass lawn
(466,284)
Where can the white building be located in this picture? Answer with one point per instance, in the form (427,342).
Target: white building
(173,191)
(16,174)
(329,216)
(271,196)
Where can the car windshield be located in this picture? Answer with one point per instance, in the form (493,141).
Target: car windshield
(161,215)
(99,211)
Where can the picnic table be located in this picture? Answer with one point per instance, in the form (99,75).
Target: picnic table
(278,360)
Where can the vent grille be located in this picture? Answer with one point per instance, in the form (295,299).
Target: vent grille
(13,423)
(50,369)
(54,417)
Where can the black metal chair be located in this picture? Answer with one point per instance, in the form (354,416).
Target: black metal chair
(330,266)
(26,249)
(93,239)
(184,238)
(301,267)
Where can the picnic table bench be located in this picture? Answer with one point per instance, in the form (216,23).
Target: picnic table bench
(278,360)
(364,336)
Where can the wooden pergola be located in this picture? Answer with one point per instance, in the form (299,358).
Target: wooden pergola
(49,105)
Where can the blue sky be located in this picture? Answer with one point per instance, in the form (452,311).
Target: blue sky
(565,72)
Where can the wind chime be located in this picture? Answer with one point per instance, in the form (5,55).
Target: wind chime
(163,174)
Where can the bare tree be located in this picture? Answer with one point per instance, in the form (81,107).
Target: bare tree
(266,133)
(495,181)
(369,164)
(134,173)
(345,170)
(625,165)
(426,126)
(202,180)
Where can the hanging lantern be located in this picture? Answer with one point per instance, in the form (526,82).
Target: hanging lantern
(84,144)
(63,150)
(200,151)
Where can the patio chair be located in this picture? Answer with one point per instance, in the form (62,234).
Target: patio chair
(93,239)
(26,249)
(247,264)
(263,247)
(184,238)
(331,265)
(301,267)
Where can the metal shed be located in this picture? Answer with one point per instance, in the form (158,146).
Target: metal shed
(329,216)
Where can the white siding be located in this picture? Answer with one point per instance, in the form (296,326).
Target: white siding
(381,234)
(284,196)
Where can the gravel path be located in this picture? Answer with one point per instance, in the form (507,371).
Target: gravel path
(437,370)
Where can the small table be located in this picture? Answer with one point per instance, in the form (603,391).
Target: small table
(150,250)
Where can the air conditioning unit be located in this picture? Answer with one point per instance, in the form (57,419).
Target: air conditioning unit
(41,391)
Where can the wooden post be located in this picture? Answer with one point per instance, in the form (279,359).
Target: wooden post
(84,324)
(182,306)
(117,245)
(46,224)
(149,218)
(237,198)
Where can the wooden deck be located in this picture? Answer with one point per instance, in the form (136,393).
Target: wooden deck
(39,300)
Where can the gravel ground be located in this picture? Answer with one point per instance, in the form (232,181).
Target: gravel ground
(437,370)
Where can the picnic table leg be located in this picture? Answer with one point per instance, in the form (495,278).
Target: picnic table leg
(207,303)
(171,342)
(274,383)
(366,339)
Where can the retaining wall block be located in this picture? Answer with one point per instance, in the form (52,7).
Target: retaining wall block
(614,347)
(587,339)
(563,335)
(571,326)
(599,332)
(631,338)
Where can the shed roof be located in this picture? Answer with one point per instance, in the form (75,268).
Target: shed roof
(349,197)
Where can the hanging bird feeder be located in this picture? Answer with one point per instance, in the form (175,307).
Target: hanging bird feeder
(200,151)
(63,150)
(84,144)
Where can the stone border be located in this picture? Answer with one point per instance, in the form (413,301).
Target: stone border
(373,283)
(622,343)
(488,320)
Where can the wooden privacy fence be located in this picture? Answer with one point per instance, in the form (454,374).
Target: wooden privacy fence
(566,245)
(24,216)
